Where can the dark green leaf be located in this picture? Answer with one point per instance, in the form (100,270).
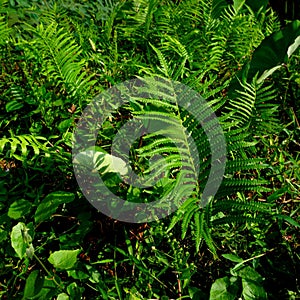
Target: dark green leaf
(50,204)
(19,209)
(74,291)
(288,219)
(13,105)
(253,290)
(274,49)
(33,285)
(224,289)
(248,273)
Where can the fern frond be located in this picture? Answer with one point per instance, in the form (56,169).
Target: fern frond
(63,59)
(164,65)
(229,205)
(231,186)
(202,221)
(245,164)
(244,104)
(5,31)
(21,144)
(254,107)
(188,214)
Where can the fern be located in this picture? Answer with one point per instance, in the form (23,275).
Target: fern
(254,107)
(22,144)
(64,63)
(183,155)
(4,29)
(226,205)
(236,141)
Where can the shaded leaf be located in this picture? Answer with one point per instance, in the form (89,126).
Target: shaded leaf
(50,204)
(34,283)
(273,50)
(248,273)
(101,161)
(253,290)
(19,209)
(224,289)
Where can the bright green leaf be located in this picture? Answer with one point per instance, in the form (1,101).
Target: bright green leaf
(232,257)
(268,73)
(17,239)
(77,274)
(64,259)
(238,4)
(64,125)
(63,296)
(292,48)
(13,105)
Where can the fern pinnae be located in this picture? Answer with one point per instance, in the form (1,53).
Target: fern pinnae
(165,68)
(191,201)
(208,238)
(226,205)
(160,142)
(157,117)
(24,142)
(174,220)
(198,220)
(187,218)
(64,58)
(240,218)
(156,102)
(248,164)
(163,149)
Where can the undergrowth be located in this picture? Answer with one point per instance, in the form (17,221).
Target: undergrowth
(56,56)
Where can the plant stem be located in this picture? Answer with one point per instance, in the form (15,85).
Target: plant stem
(47,271)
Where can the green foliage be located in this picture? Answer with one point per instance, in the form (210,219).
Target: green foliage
(55,57)
(244,282)
(246,278)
